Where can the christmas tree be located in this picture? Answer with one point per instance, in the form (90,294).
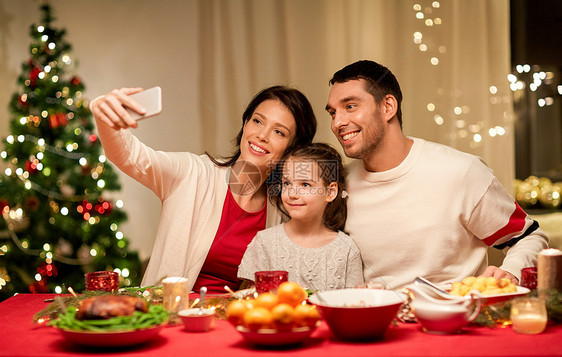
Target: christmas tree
(57,224)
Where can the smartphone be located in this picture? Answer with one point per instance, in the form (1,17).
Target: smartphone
(150,99)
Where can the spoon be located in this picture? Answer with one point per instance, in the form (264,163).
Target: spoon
(423,281)
(202,293)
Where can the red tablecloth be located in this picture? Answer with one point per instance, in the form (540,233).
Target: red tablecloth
(19,337)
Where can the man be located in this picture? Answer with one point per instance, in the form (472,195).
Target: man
(418,208)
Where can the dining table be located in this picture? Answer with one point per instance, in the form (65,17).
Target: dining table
(20,336)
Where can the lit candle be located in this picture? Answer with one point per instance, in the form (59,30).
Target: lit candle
(528,315)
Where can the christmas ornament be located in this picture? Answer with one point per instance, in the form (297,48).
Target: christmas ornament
(550,196)
(75,81)
(47,269)
(57,119)
(33,75)
(544,182)
(31,167)
(527,194)
(103,208)
(3,204)
(532,180)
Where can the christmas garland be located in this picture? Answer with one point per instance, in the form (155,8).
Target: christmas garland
(498,314)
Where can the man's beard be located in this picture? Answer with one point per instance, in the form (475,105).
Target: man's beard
(370,145)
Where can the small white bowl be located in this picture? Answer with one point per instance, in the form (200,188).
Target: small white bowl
(195,322)
(446,317)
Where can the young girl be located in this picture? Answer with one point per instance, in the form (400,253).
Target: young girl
(311,246)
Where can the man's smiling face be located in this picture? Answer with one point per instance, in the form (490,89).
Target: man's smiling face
(356,118)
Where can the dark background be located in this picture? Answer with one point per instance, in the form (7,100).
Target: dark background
(536,39)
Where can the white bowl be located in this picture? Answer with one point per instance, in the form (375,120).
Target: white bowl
(445,318)
(358,314)
(195,322)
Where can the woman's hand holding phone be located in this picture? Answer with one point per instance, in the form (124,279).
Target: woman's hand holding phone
(121,108)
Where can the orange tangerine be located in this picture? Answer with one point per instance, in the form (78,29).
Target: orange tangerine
(306,315)
(291,293)
(266,300)
(235,311)
(257,318)
(283,316)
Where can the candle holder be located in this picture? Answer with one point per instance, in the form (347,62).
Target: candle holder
(175,294)
(102,280)
(549,270)
(528,315)
(269,280)
(529,278)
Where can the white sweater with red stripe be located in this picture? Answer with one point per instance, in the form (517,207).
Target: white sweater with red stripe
(435,215)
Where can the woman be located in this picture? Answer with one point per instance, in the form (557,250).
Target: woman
(211,209)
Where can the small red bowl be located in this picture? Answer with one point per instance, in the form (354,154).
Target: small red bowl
(358,314)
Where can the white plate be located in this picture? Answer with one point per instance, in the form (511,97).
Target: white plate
(266,337)
(241,294)
(492,299)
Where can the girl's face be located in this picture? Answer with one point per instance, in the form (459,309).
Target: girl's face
(267,135)
(305,194)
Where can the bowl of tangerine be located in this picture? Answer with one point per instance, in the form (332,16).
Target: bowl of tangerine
(277,318)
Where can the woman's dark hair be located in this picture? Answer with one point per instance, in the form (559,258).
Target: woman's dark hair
(381,81)
(330,169)
(297,104)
